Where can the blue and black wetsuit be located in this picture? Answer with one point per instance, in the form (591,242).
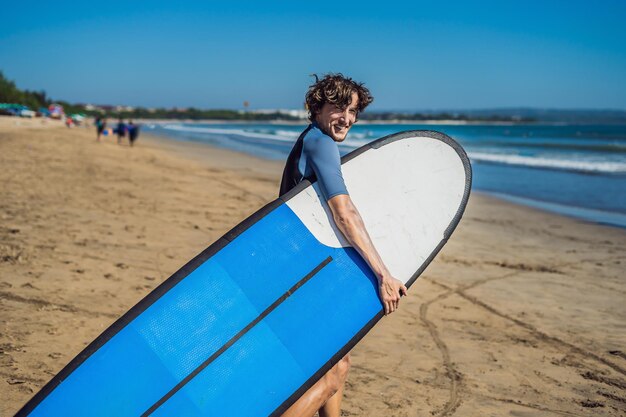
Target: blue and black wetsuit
(314,156)
(120,130)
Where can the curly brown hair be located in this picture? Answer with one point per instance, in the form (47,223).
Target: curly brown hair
(335,89)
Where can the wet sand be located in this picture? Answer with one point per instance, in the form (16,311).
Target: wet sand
(522,314)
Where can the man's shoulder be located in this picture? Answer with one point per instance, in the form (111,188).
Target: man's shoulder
(315,138)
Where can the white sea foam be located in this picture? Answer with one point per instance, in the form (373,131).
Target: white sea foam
(287,134)
(591,166)
(279,135)
(238,132)
(356,139)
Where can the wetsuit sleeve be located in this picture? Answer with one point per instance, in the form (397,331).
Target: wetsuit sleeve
(323,154)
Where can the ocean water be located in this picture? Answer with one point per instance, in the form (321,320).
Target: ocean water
(575,170)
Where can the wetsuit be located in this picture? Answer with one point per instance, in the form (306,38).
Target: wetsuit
(121,130)
(133,132)
(100,125)
(315,155)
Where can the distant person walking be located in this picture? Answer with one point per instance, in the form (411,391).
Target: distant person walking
(101,124)
(121,131)
(133,132)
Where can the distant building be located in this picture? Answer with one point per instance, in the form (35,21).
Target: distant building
(124,108)
(86,106)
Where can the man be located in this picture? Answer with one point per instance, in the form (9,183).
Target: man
(120,130)
(101,124)
(133,132)
(334,103)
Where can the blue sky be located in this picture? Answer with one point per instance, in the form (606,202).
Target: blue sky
(413,55)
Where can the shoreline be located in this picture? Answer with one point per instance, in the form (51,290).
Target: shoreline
(521,312)
(593,216)
(610,219)
(198,151)
(211,155)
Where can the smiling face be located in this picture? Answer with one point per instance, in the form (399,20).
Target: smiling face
(336,122)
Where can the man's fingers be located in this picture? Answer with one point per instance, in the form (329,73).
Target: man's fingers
(392,295)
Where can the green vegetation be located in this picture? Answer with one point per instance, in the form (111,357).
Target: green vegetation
(195,114)
(9,93)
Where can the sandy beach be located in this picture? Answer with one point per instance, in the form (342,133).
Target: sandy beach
(522,313)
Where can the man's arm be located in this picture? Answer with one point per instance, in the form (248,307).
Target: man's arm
(349,221)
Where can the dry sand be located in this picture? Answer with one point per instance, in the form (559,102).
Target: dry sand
(522,314)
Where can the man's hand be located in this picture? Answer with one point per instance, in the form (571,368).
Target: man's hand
(390,290)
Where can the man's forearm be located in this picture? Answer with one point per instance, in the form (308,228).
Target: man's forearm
(351,224)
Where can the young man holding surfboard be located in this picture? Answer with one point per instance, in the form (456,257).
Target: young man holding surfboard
(334,103)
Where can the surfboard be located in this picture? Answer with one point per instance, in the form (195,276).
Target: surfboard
(248,325)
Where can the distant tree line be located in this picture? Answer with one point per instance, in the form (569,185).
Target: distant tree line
(9,93)
(192,113)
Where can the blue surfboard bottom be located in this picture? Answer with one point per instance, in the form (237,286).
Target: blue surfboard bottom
(171,339)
